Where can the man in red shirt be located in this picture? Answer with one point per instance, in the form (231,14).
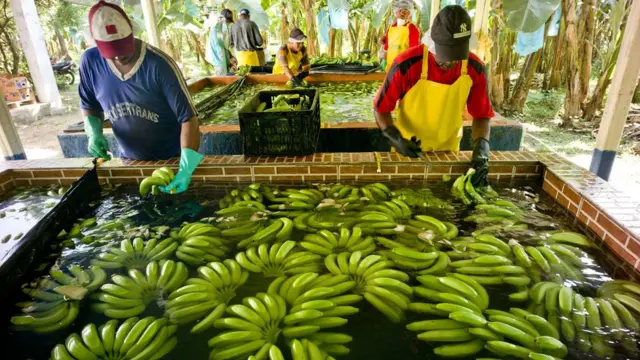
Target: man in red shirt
(402,35)
(432,86)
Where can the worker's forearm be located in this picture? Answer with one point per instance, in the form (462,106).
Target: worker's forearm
(98,114)
(190,134)
(384,120)
(481,128)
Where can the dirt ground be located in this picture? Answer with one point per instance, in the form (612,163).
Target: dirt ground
(39,138)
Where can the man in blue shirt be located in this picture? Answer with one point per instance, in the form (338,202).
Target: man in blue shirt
(141,91)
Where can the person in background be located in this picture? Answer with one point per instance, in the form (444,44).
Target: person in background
(246,39)
(218,53)
(401,36)
(432,86)
(141,91)
(292,59)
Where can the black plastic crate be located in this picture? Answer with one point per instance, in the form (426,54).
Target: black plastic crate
(282,132)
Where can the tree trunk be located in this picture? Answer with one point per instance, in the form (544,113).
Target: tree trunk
(199,48)
(495,82)
(64,50)
(367,38)
(284,36)
(555,79)
(596,101)
(340,40)
(585,34)
(312,34)
(332,42)
(507,63)
(572,97)
(353,36)
(636,94)
(521,90)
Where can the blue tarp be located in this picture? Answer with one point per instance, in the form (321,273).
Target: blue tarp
(324,26)
(339,14)
(554,27)
(528,43)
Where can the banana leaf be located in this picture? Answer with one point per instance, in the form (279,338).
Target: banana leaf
(528,15)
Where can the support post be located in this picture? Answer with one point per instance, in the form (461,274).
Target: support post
(35,51)
(481,26)
(10,145)
(150,23)
(435,9)
(620,94)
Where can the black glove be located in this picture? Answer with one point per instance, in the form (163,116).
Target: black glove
(302,75)
(402,145)
(296,82)
(480,162)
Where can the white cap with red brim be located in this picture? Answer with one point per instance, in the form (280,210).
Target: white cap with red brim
(111,29)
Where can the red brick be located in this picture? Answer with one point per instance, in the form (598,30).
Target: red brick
(316,169)
(350,169)
(38,173)
(440,169)
(620,250)
(22,182)
(258,178)
(237,170)
(126,172)
(609,226)
(597,229)
(264,170)
(44,181)
(292,170)
(589,209)
(67,181)
(563,200)
(411,169)
(501,169)
(331,177)
(526,169)
(554,180)
(549,189)
(123,180)
(22,174)
(287,178)
(459,169)
(573,209)
(572,195)
(347,177)
(73,173)
(380,177)
(385,169)
(313,178)
(245,179)
(204,170)
(634,246)
(583,217)
(104,173)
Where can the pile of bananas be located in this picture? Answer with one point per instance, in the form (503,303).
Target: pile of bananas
(279,230)
(591,322)
(205,298)
(325,242)
(554,261)
(129,296)
(426,260)
(278,259)
(55,301)
(250,193)
(385,288)
(420,198)
(199,243)
(464,190)
(160,177)
(135,339)
(305,349)
(135,254)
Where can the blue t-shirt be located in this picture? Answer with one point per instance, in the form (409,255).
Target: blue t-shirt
(146,107)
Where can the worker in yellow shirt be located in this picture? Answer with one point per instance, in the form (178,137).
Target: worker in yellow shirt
(292,59)
(401,36)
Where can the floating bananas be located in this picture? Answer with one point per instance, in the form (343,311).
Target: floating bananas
(160,177)
(305,349)
(279,230)
(383,287)
(467,193)
(129,296)
(205,298)
(136,254)
(253,192)
(139,339)
(325,242)
(278,259)
(421,198)
(199,244)
(56,300)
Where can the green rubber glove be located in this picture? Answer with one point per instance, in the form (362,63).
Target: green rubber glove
(98,145)
(189,161)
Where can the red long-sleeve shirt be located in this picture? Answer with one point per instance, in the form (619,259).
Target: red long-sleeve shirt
(414,36)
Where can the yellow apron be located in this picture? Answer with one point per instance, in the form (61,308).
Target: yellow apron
(398,41)
(247,58)
(433,112)
(293,62)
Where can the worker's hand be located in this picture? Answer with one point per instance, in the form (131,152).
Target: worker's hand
(233,61)
(302,75)
(410,148)
(480,162)
(97,143)
(297,82)
(189,161)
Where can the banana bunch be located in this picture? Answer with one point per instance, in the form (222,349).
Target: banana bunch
(134,339)
(135,254)
(499,211)
(343,194)
(385,288)
(325,242)
(395,209)
(429,261)
(205,298)
(569,238)
(56,301)
(278,231)
(591,322)
(464,190)
(420,198)
(305,349)
(429,228)
(325,293)
(521,334)
(253,329)
(331,219)
(160,177)
(129,296)
(493,270)
(471,247)
(278,259)
(557,261)
(250,193)
(296,200)
(199,243)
